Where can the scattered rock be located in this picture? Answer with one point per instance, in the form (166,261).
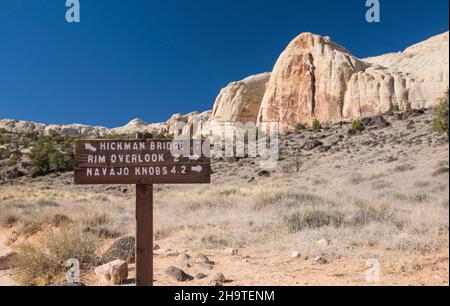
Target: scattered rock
(123,249)
(231,252)
(206,266)
(178,274)
(200,258)
(295,255)
(156,247)
(216,284)
(381,123)
(321,260)
(312,144)
(200,276)
(218,277)
(183,257)
(441,171)
(264,173)
(113,273)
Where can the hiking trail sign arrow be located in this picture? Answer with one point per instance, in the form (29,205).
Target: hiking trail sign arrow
(143,162)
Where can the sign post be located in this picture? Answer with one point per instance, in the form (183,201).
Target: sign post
(142,162)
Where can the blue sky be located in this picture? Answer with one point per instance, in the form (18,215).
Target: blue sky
(153,58)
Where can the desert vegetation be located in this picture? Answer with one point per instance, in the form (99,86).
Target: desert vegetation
(440,122)
(337,201)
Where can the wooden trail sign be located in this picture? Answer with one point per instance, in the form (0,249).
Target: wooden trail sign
(142,162)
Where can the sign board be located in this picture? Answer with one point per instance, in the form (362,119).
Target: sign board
(140,162)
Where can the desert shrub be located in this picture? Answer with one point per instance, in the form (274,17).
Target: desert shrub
(413,244)
(404,168)
(8,218)
(5,153)
(13,159)
(34,266)
(60,219)
(5,138)
(101,226)
(285,198)
(104,232)
(357,125)
(96,220)
(440,122)
(316,125)
(356,178)
(43,262)
(46,157)
(293,166)
(300,127)
(212,241)
(312,218)
(30,226)
(366,214)
(45,203)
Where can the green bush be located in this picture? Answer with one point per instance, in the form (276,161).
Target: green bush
(46,157)
(300,127)
(316,125)
(5,153)
(13,159)
(357,125)
(440,122)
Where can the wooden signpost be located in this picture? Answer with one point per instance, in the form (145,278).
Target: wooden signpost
(142,162)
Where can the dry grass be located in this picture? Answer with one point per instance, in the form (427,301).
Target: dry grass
(362,209)
(44,262)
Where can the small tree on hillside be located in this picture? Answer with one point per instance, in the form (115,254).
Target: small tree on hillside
(440,122)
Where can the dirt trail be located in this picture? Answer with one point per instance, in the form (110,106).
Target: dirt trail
(5,276)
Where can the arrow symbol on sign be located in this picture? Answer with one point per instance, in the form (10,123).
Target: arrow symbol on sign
(194,157)
(89,147)
(197,169)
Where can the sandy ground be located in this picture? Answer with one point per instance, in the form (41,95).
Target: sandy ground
(282,270)
(6,275)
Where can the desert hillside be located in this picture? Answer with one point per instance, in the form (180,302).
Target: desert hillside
(342,194)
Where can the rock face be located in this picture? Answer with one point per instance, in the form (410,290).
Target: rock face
(240,101)
(316,78)
(195,123)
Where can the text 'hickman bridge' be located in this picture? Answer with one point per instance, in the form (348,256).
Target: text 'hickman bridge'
(141,161)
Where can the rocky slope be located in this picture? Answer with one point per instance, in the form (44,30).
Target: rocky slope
(18,126)
(316,78)
(313,78)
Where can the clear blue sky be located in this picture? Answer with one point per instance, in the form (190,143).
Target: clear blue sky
(153,58)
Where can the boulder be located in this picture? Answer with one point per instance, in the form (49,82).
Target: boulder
(123,249)
(114,273)
(178,274)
